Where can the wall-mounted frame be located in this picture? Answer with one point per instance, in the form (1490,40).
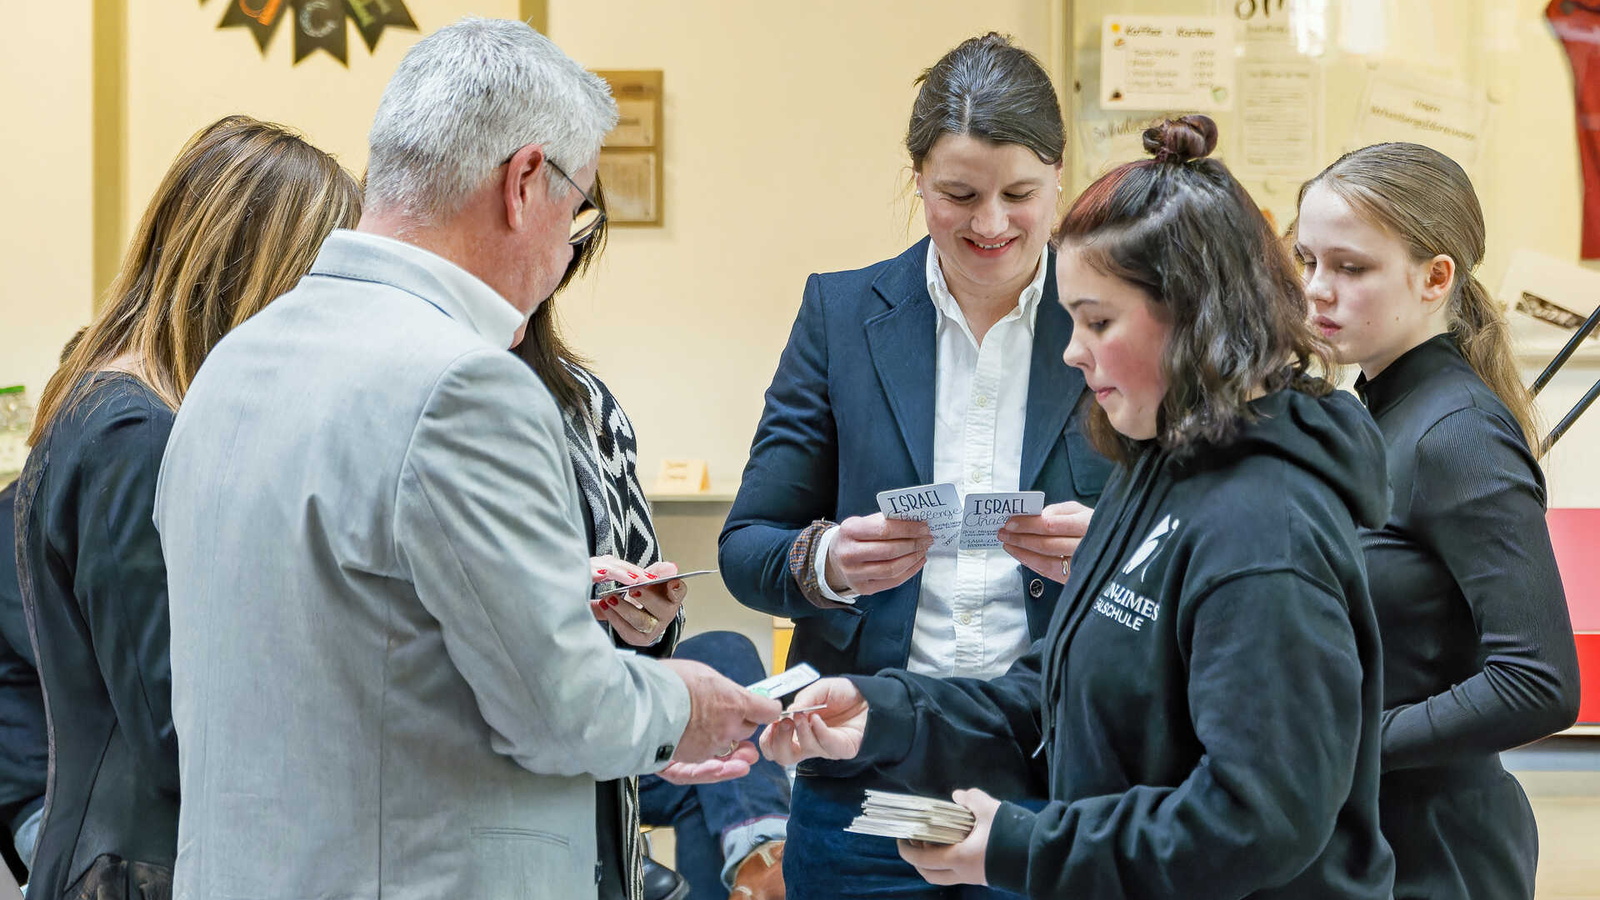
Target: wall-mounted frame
(631,158)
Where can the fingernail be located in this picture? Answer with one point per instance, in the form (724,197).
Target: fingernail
(611,601)
(638,594)
(601,571)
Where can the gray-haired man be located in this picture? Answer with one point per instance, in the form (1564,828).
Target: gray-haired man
(386,681)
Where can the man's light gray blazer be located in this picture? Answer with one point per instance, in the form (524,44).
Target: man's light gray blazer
(386,680)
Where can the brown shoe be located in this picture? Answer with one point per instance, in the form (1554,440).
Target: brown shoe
(760,876)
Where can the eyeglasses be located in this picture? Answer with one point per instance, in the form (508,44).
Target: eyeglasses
(589,217)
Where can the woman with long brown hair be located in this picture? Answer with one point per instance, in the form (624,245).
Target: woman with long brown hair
(235,222)
(1478,649)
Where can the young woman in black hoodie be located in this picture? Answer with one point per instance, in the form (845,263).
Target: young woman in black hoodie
(1478,648)
(1204,709)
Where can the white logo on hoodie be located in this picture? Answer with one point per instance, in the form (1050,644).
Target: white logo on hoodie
(1147,551)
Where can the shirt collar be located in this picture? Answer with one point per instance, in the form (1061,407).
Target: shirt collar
(1400,377)
(945,302)
(453,290)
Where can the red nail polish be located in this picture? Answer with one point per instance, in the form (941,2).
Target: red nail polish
(611,601)
(638,594)
(600,571)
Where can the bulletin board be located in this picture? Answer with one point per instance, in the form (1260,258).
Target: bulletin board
(1292,84)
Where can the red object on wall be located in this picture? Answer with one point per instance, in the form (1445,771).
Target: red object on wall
(1576,536)
(1577,25)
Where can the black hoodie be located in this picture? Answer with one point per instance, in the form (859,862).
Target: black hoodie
(1210,685)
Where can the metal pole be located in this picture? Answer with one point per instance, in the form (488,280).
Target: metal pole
(1566,352)
(1571,417)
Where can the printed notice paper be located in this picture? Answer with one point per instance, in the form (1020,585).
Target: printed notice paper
(1167,62)
(972,522)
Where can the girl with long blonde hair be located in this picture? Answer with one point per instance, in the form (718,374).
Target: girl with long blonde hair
(1478,652)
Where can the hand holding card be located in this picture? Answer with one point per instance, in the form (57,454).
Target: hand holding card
(827,719)
(936,504)
(972,522)
(868,554)
(984,514)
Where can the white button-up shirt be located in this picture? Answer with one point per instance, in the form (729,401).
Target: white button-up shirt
(971,620)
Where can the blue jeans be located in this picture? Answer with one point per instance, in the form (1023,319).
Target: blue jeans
(822,861)
(717,825)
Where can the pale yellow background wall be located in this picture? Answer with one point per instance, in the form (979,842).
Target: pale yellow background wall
(784,130)
(45,203)
(783,135)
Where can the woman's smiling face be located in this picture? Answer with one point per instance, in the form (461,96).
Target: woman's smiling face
(989,209)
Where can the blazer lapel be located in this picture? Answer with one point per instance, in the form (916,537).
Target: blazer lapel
(1053,386)
(901,341)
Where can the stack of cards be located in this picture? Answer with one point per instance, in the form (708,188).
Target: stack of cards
(912,818)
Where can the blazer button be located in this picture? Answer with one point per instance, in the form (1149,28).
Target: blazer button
(664,752)
(1036,588)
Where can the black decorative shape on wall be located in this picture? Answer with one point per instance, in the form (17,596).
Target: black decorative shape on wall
(372,16)
(260,16)
(318,24)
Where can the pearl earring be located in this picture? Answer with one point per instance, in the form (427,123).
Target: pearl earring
(918,192)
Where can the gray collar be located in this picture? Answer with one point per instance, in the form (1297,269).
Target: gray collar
(441,283)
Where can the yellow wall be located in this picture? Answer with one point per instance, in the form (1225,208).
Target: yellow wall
(44,185)
(783,157)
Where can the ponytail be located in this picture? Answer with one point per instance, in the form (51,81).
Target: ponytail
(1479,328)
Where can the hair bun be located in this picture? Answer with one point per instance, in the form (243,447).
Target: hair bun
(1182,139)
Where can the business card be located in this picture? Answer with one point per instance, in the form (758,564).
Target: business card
(786,682)
(937,504)
(982,515)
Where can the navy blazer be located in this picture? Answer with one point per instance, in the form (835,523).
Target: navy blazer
(850,413)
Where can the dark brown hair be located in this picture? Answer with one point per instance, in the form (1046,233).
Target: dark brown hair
(1426,200)
(1181,228)
(236,221)
(543,347)
(989,88)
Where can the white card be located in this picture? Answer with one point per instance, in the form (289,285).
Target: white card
(785,683)
(649,582)
(983,514)
(937,504)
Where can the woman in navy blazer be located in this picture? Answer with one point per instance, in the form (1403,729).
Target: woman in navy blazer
(940,365)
